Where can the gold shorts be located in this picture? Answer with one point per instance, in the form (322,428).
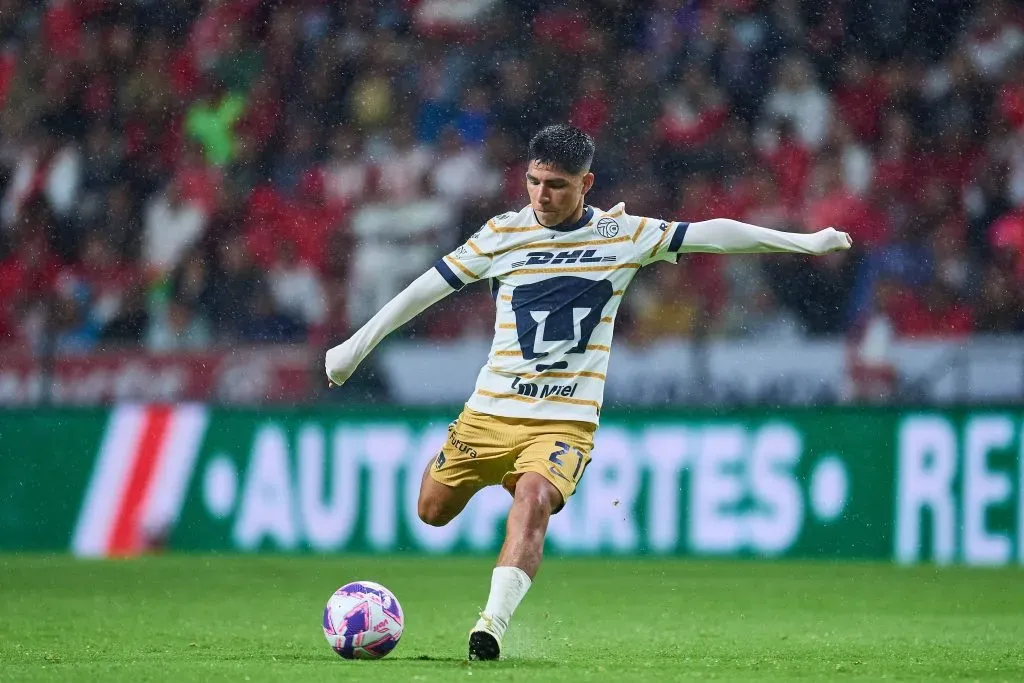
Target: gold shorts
(482,450)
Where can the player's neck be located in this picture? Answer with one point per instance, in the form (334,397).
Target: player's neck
(577,221)
(569,220)
(577,214)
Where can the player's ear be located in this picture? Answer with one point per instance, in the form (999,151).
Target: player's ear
(588,182)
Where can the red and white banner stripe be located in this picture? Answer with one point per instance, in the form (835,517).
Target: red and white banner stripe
(140,479)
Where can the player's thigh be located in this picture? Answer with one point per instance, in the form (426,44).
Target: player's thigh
(561,457)
(440,503)
(475,454)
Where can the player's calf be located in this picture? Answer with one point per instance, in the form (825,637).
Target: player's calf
(535,501)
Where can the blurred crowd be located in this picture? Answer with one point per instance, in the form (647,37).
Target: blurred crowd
(180,174)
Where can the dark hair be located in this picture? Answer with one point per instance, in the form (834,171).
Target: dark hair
(563,146)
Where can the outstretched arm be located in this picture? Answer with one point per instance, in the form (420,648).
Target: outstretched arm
(726,236)
(425,291)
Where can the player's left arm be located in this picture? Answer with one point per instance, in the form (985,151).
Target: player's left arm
(726,236)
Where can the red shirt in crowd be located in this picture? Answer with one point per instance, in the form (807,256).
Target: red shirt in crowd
(916,319)
(790,162)
(306,221)
(865,224)
(860,105)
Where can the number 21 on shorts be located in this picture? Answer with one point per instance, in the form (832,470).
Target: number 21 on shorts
(556,458)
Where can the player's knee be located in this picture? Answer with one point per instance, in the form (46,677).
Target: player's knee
(538,492)
(433,513)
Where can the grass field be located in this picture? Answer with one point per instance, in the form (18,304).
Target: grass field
(182,618)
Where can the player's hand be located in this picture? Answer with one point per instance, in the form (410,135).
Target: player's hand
(340,362)
(834,240)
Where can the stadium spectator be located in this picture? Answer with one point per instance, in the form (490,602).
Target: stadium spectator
(1007,239)
(993,39)
(171,225)
(178,328)
(50,166)
(860,98)
(462,175)
(265,324)
(403,166)
(347,172)
(473,119)
(417,228)
(27,277)
(128,328)
(210,121)
(1002,303)
(797,98)
(296,158)
(296,288)
(656,316)
(236,287)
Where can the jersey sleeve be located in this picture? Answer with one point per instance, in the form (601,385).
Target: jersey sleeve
(657,239)
(474,259)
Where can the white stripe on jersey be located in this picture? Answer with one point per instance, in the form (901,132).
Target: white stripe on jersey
(556,291)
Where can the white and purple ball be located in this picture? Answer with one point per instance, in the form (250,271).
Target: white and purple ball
(363,620)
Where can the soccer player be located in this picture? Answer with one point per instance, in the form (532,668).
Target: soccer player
(558,269)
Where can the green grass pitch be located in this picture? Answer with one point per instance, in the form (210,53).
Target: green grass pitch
(234,618)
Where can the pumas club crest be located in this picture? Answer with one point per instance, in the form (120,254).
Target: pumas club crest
(607,227)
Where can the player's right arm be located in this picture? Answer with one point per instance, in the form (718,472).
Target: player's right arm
(467,264)
(425,291)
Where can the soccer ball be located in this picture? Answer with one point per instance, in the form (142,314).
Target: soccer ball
(363,620)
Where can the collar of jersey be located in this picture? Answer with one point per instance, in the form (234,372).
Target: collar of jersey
(588,214)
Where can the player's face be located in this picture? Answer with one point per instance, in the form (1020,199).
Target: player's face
(556,196)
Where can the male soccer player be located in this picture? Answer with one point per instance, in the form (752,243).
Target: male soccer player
(558,269)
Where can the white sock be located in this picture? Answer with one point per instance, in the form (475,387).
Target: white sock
(508,588)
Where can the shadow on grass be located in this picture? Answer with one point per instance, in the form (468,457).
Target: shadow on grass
(510,663)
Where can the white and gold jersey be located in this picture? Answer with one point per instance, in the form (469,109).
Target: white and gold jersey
(557,291)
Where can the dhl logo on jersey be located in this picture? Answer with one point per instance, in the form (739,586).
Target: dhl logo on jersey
(544,258)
